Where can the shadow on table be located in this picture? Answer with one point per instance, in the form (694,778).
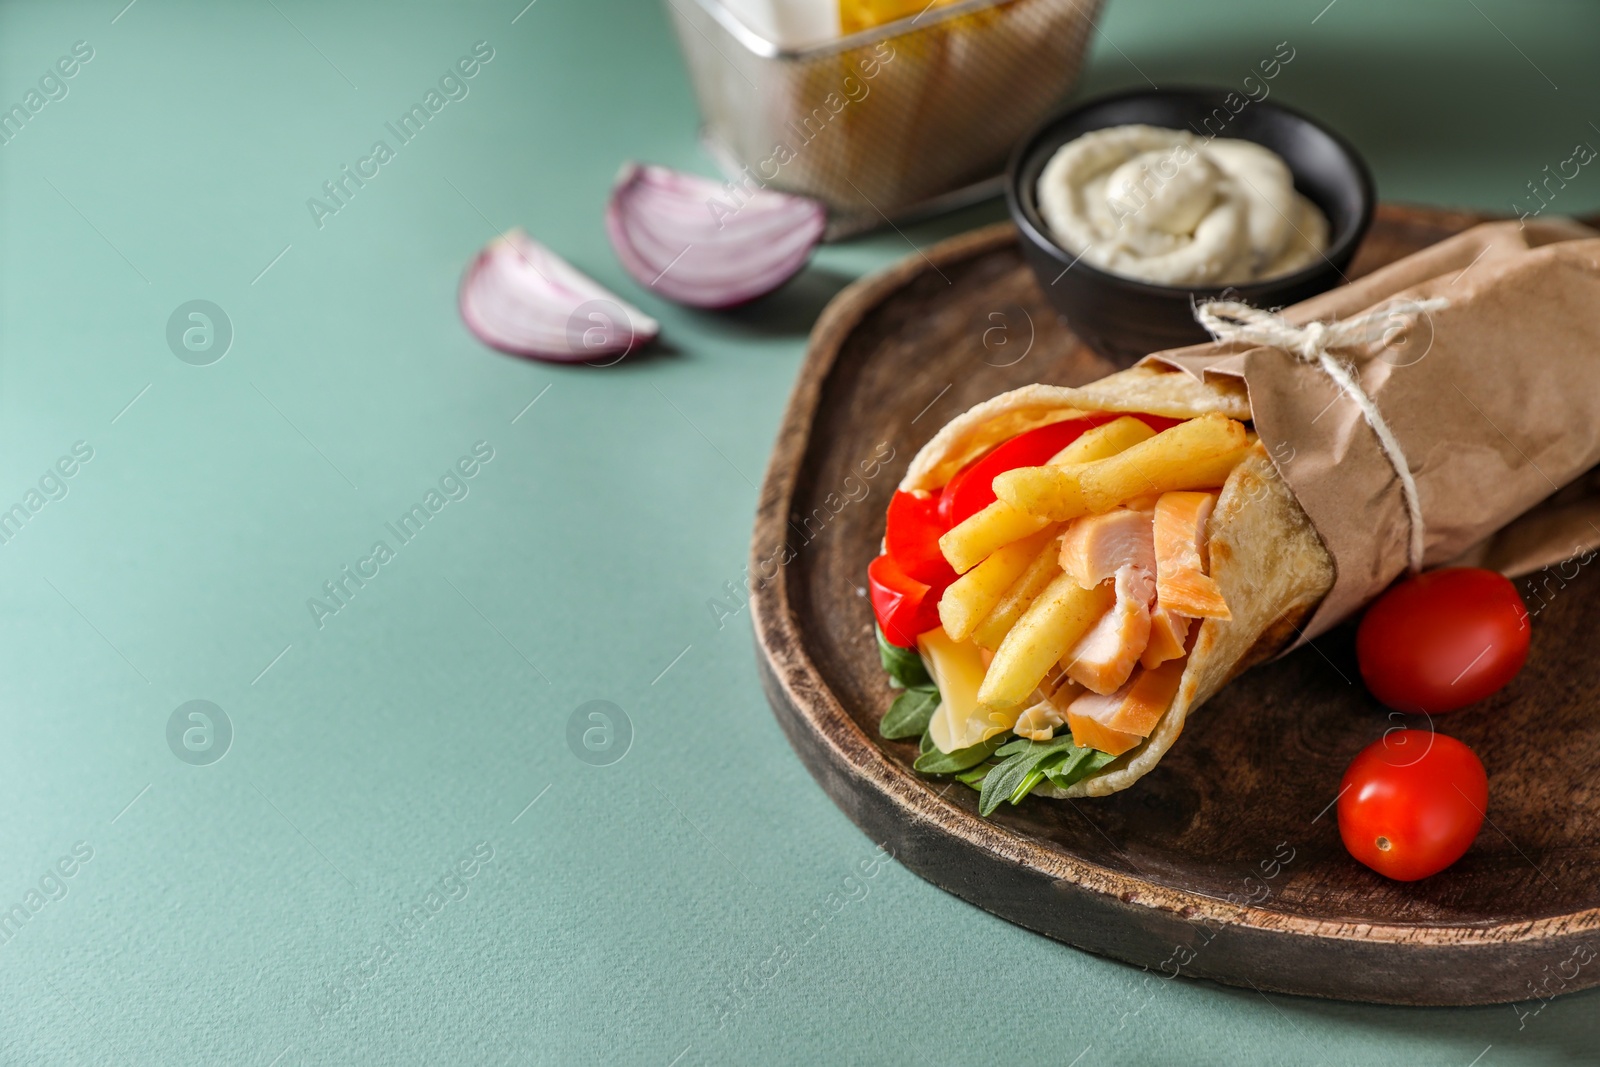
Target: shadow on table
(792,310)
(1563,1028)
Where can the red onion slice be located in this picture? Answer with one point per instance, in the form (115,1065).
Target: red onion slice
(708,245)
(522,298)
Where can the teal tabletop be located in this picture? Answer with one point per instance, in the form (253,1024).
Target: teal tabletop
(253,811)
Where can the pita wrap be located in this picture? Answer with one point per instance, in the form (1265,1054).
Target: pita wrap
(1493,405)
(1265,556)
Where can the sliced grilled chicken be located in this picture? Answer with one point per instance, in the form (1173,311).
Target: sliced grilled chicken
(1117,721)
(1106,656)
(1095,547)
(1182,585)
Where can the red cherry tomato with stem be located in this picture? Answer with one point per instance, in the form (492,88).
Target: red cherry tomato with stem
(1411,803)
(1443,640)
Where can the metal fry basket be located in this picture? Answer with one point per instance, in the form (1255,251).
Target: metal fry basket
(889,122)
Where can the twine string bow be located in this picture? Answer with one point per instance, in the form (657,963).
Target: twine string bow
(1230,320)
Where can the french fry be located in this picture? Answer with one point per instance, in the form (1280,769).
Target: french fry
(1040,573)
(1052,490)
(1197,454)
(1053,623)
(971,541)
(973,595)
(1119,435)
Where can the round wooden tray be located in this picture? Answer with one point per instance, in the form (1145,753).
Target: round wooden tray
(1225,862)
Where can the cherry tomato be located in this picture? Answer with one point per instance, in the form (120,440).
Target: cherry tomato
(1442,640)
(904,606)
(913,535)
(1411,803)
(972,490)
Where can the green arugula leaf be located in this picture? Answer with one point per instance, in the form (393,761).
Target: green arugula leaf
(926,745)
(975,777)
(903,664)
(1023,769)
(1034,777)
(936,762)
(909,714)
(1087,762)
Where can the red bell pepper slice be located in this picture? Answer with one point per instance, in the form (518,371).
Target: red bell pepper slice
(912,538)
(904,606)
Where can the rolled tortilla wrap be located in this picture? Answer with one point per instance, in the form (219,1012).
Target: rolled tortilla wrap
(1266,558)
(1491,398)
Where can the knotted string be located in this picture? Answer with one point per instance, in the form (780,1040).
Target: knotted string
(1229,320)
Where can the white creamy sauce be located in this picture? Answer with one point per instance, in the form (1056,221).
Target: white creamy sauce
(1168,207)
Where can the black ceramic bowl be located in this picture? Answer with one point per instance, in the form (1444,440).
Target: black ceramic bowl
(1124,319)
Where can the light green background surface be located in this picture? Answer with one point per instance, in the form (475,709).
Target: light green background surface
(632,914)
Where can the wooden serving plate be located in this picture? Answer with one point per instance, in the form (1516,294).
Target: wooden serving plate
(1225,862)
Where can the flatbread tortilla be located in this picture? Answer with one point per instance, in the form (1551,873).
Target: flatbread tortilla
(1266,557)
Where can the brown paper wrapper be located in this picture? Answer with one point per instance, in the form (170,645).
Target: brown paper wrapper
(1495,400)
